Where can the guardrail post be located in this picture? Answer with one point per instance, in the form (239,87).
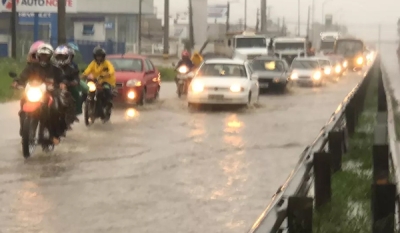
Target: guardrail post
(300,214)
(380,153)
(322,180)
(350,118)
(335,144)
(382,102)
(383,205)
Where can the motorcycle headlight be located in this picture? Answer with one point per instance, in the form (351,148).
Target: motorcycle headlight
(294,76)
(317,75)
(92,86)
(183,69)
(133,83)
(197,87)
(338,69)
(360,60)
(236,88)
(34,94)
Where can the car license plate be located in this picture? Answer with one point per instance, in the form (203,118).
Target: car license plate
(264,84)
(215,97)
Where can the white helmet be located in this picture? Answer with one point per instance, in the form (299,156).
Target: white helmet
(44,49)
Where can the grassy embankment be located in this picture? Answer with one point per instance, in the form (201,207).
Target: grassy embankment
(350,208)
(7,65)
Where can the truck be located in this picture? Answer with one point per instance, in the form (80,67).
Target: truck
(327,41)
(289,48)
(242,45)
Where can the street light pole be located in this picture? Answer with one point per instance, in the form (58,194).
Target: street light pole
(140,28)
(298,18)
(14,29)
(245,14)
(166,29)
(62,37)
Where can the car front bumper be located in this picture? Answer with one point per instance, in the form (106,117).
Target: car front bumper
(265,83)
(129,94)
(207,97)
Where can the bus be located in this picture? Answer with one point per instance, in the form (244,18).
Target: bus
(353,50)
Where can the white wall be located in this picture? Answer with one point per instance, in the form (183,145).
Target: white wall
(99,31)
(115,6)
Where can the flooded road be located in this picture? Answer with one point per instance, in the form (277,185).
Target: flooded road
(162,168)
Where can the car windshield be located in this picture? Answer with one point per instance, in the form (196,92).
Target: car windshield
(324,63)
(126,64)
(349,47)
(289,45)
(304,64)
(327,45)
(268,65)
(222,70)
(251,42)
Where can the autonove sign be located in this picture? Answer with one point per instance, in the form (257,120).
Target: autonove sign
(38,6)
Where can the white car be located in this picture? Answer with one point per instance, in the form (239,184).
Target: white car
(224,81)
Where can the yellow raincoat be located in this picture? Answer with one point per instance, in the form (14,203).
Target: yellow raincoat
(197,59)
(97,70)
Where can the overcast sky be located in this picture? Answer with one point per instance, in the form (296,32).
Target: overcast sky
(361,16)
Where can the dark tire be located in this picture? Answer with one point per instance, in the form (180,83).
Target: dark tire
(142,100)
(28,136)
(86,114)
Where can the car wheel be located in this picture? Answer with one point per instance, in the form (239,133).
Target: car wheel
(249,100)
(142,100)
(157,94)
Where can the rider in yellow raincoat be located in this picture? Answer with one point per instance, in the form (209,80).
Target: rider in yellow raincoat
(197,59)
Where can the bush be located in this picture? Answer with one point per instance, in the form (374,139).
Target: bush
(167,73)
(9,65)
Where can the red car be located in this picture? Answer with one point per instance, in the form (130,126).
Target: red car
(138,80)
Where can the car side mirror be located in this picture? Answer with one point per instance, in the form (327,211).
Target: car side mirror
(254,77)
(12,74)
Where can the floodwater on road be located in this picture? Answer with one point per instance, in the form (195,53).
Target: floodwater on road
(161,168)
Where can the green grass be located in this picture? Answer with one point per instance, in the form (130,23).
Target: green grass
(167,73)
(350,209)
(7,65)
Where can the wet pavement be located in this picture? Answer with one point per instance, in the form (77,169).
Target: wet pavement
(161,168)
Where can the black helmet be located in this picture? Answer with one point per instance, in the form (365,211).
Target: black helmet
(98,51)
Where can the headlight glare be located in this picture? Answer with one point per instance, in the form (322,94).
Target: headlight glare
(235,88)
(183,69)
(197,87)
(317,75)
(338,69)
(34,94)
(360,60)
(92,86)
(294,76)
(133,83)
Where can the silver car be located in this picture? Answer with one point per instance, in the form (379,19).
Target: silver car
(307,71)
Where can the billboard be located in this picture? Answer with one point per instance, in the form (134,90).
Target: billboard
(38,6)
(217,11)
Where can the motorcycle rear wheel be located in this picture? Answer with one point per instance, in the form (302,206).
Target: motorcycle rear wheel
(89,120)
(28,136)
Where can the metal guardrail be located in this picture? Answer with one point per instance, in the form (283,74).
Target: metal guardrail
(314,166)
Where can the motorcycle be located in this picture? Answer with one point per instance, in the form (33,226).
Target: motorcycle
(37,112)
(184,77)
(95,106)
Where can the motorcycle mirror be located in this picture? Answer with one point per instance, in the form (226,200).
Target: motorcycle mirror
(12,74)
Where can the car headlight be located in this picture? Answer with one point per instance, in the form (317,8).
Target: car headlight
(345,64)
(34,94)
(183,69)
(327,71)
(197,87)
(317,75)
(338,69)
(236,88)
(92,86)
(360,60)
(294,76)
(133,83)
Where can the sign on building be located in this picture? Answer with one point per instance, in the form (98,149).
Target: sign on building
(38,6)
(217,11)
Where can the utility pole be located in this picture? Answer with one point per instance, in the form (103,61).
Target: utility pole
(228,11)
(379,37)
(312,18)
(308,22)
(263,17)
(61,12)
(245,14)
(166,29)
(191,29)
(14,29)
(258,20)
(298,17)
(140,28)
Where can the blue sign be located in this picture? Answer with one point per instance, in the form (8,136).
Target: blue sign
(44,18)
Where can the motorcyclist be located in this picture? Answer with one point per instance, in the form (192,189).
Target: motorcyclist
(62,59)
(185,60)
(104,71)
(41,70)
(197,59)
